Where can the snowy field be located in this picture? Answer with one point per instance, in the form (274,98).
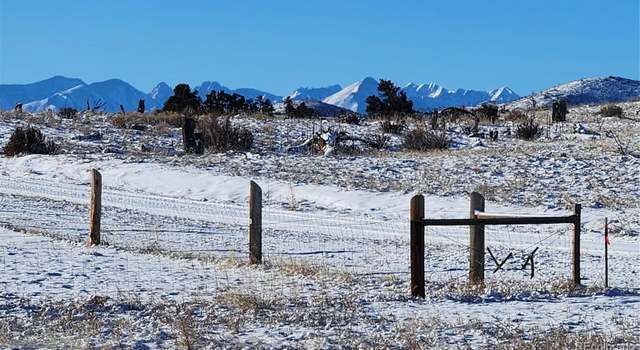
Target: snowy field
(174,270)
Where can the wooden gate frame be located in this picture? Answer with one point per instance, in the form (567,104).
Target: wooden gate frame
(478,218)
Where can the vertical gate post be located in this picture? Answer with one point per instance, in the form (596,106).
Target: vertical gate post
(95,207)
(476,241)
(575,251)
(255,224)
(417,246)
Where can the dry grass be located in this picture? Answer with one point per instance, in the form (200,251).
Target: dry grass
(160,119)
(301,268)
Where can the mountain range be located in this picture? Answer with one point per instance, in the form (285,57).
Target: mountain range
(59,92)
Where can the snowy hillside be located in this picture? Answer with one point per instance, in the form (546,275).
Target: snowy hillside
(425,97)
(586,91)
(318,94)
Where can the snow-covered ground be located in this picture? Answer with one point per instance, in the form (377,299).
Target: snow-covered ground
(174,272)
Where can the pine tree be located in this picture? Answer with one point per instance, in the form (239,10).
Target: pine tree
(393,100)
(289,108)
(183,100)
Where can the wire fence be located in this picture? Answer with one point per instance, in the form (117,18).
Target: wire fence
(170,244)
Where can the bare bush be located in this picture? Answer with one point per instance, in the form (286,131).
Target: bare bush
(516,115)
(68,112)
(611,111)
(396,126)
(29,140)
(528,130)
(219,135)
(421,139)
(378,141)
(349,118)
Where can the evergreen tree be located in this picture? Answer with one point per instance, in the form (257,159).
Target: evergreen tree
(264,105)
(393,100)
(289,108)
(183,100)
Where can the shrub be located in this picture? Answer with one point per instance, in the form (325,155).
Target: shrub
(393,126)
(28,140)
(68,112)
(221,136)
(119,121)
(516,115)
(488,111)
(528,130)
(421,139)
(349,118)
(378,141)
(611,111)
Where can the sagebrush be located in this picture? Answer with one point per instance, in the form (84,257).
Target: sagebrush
(29,140)
(421,139)
(219,135)
(528,130)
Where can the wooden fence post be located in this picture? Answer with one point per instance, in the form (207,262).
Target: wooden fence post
(95,208)
(576,245)
(606,253)
(476,241)
(255,224)
(417,246)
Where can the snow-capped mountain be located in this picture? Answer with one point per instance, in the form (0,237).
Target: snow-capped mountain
(318,94)
(10,94)
(503,95)
(109,93)
(584,91)
(161,93)
(354,96)
(425,97)
(430,96)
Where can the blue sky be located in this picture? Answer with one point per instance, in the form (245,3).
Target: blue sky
(280,45)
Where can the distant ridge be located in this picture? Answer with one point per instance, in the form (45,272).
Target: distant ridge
(585,91)
(59,92)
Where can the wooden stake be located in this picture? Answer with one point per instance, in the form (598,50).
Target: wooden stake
(255,224)
(476,241)
(606,252)
(576,246)
(95,208)
(417,246)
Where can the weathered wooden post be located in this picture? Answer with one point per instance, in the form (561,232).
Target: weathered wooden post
(559,111)
(417,246)
(95,208)
(576,245)
(188,134)
(255,224)
(476,241)
(141,106)
(606,252)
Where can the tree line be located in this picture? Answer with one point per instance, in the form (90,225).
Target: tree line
(216,102)
(184,100)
